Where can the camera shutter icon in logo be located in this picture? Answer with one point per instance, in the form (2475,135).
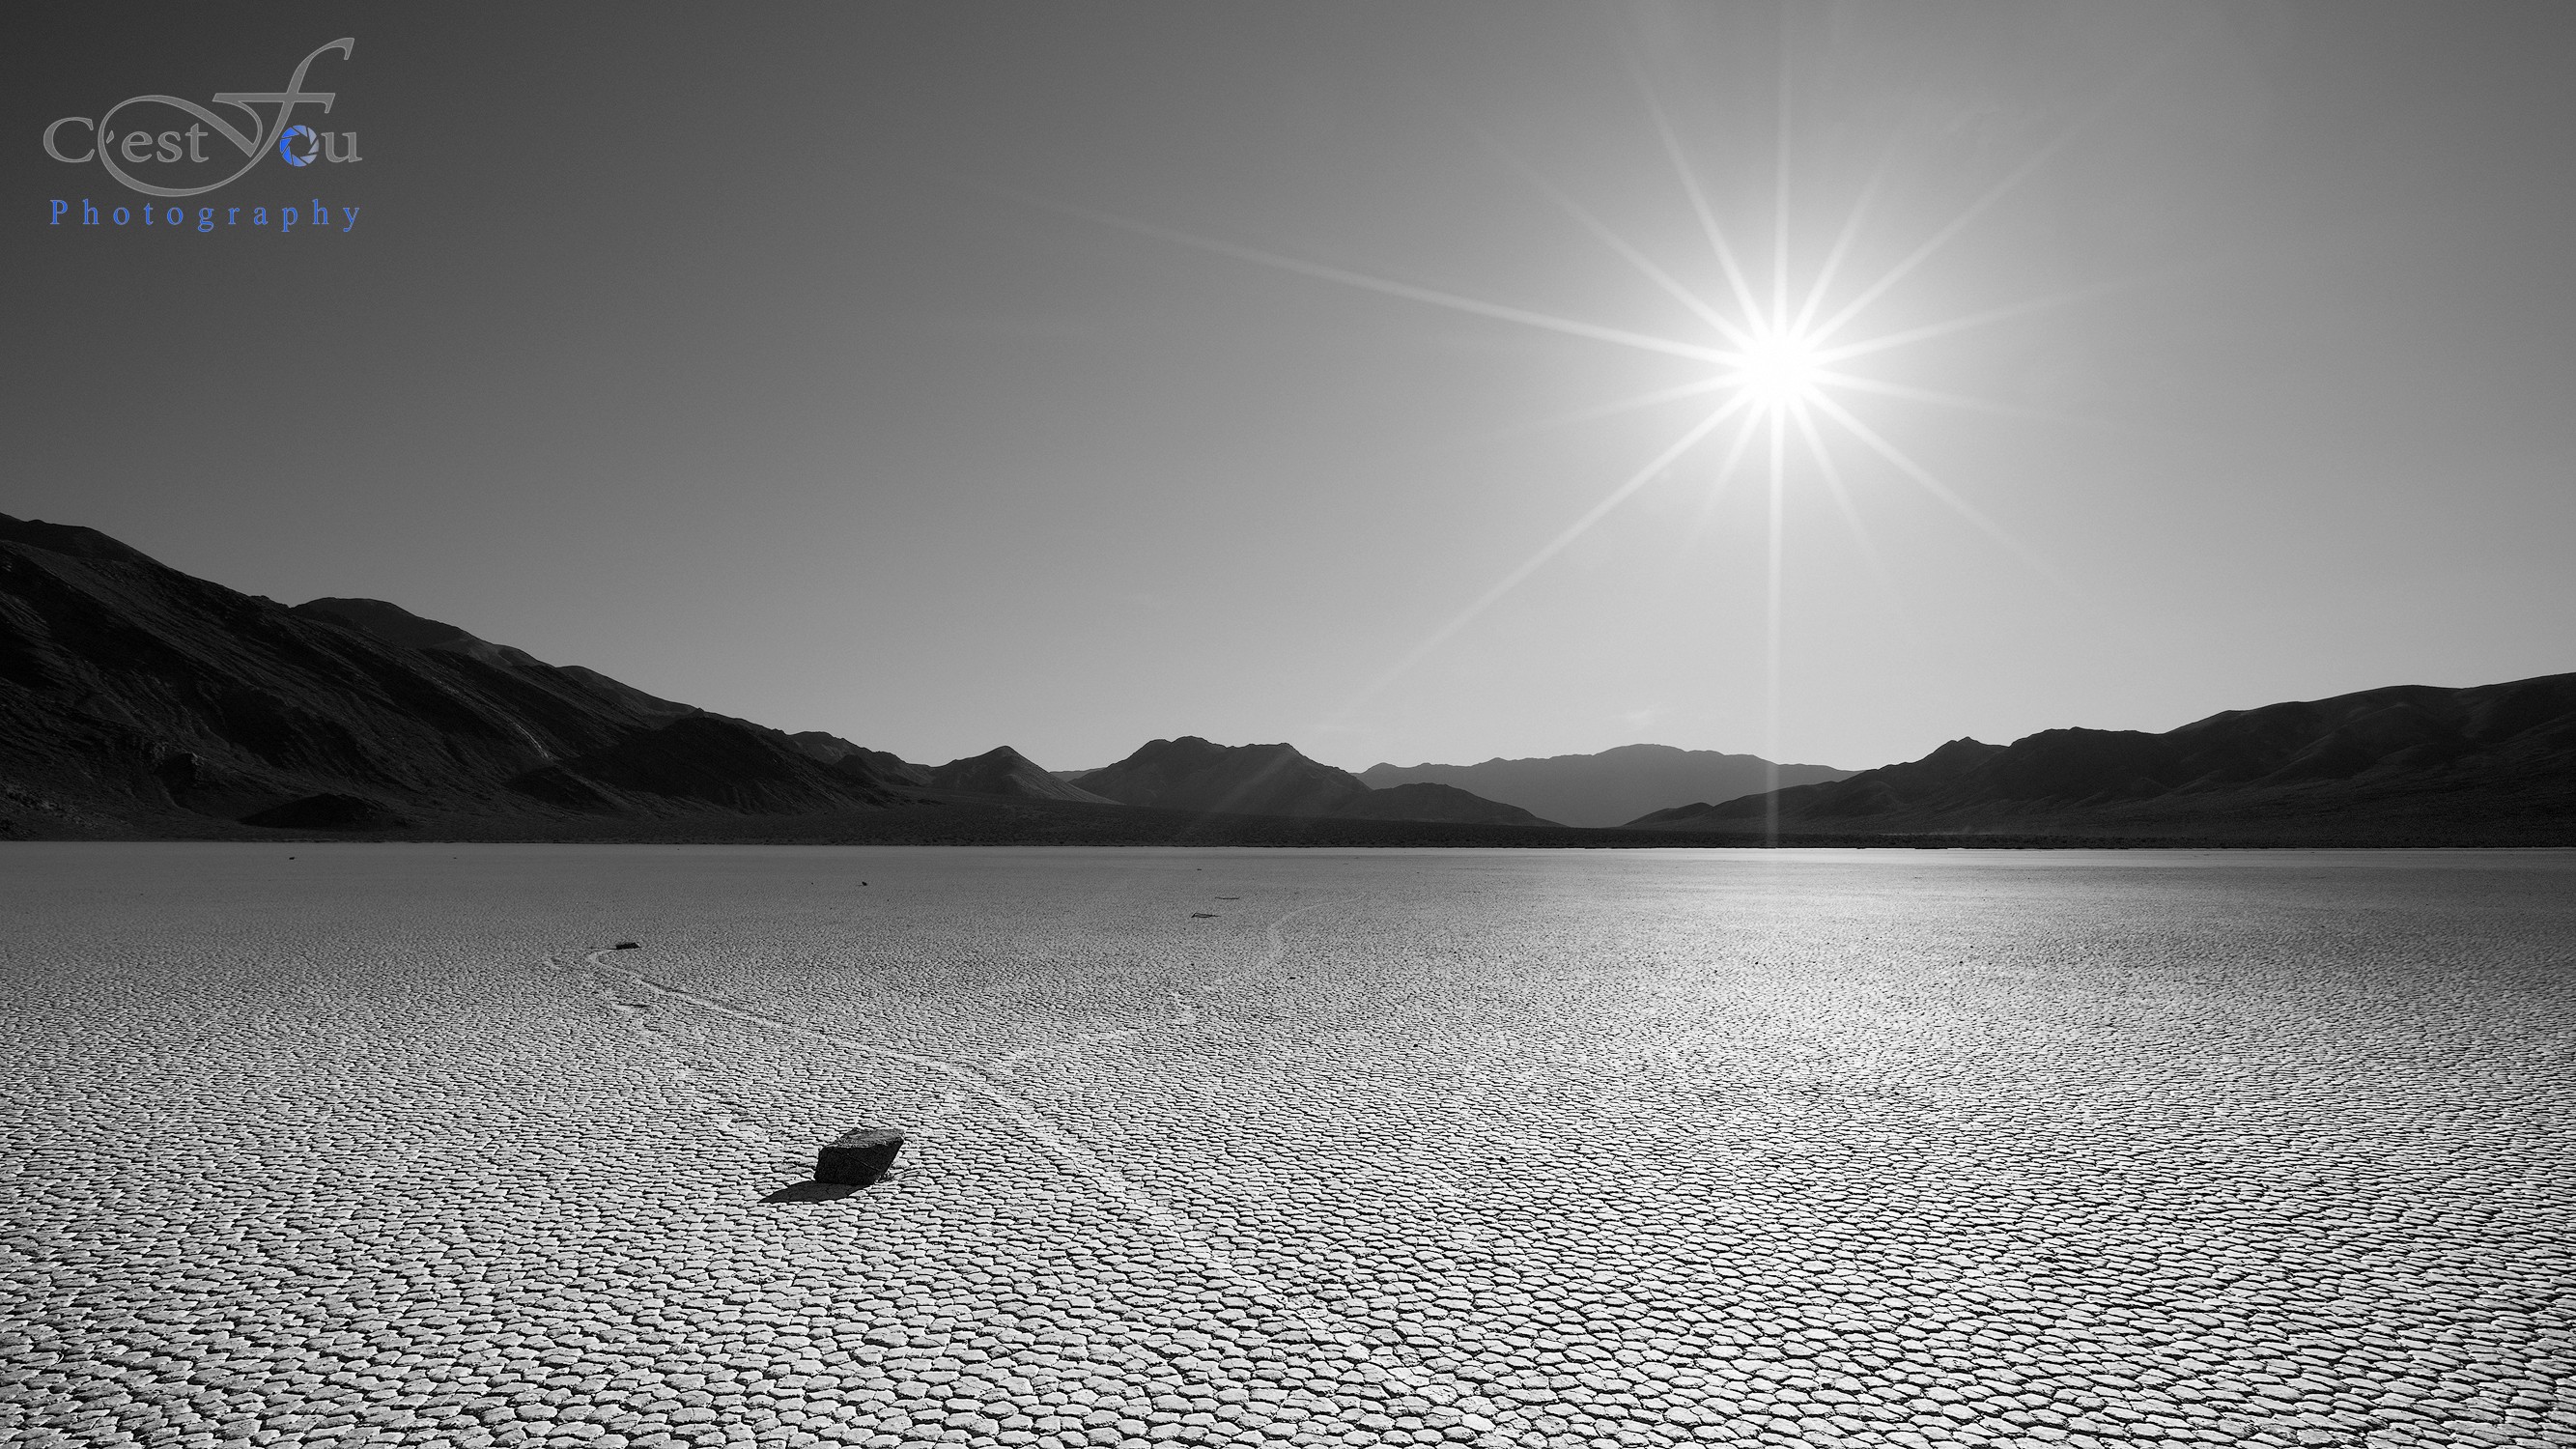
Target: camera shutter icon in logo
(286,145)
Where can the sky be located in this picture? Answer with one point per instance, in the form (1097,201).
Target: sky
(1065,376)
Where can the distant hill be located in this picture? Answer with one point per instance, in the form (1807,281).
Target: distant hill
(1609,787)
(1190,773)
(134,697)
(1434,802)
(2494,763)
(1005,771)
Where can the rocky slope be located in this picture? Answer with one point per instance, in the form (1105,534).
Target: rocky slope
(832,749)
(2493,763)
(136,698)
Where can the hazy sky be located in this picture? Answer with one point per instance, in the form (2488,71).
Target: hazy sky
(907,371)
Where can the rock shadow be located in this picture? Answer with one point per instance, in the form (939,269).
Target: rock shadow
(812,1191)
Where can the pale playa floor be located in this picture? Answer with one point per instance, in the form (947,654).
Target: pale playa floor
(1564,1148)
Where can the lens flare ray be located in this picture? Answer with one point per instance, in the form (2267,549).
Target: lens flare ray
(1671,454)
(1474,306)
(1645,265)
(1805,325)
(1688,175)
(1995,194)
(1745,432)
(1844,352)
(1640,402)
(1851,382)
(1903,463)
(1832,475)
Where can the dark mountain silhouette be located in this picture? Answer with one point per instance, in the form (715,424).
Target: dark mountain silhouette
(1434,802)
(2496,762)
(1610,787)
(1005,771)
(703,760)
(136,700)
(134,697)
(327,812)
(832,749)
(1190,773)
(397,625)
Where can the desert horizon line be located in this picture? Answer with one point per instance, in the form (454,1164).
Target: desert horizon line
(1391,761)
(154,700)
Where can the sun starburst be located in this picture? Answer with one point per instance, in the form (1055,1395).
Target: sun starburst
(1781,370)
(1775,362)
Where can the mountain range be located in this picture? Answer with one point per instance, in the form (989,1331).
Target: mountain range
(2491,764)
(1609,788)
(138,701)
(130,692)
(1190,773)
(1005,771)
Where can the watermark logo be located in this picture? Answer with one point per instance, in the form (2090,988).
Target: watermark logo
(298,145)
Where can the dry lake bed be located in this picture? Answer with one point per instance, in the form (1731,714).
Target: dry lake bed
(372,1144)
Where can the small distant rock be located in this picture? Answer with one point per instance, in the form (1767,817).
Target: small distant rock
(860,1156)
(626,946)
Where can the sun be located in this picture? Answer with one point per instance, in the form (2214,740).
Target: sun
(1782,369)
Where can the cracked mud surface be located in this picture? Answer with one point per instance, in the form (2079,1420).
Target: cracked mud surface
(380,1145)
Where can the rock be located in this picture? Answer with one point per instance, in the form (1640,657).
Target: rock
(626,946)
(860,1156)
